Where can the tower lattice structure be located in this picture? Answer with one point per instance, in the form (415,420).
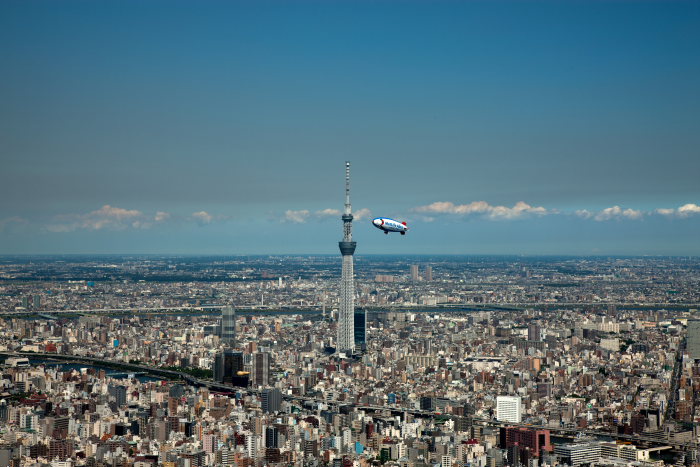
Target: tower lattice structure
(346,329)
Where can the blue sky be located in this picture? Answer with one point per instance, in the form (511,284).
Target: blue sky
(222,127)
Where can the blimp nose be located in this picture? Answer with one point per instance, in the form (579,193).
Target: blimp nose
(377,222)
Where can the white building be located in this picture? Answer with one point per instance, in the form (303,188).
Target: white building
(508,409)
(578,453)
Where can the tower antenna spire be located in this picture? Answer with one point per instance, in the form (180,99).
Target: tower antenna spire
(348,207)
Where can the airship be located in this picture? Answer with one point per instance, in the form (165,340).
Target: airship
(390,225)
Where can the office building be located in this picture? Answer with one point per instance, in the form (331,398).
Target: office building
(260,369)
(228,326)
(360,329)
(628,452)
(534,332)
(228,368)
(271,399)
(427,403)
(693,342)
(119,394)
(508,409)
(414,273)
(529,438)
(272,436)
(578,453)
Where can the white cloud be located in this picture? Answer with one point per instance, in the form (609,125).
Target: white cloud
(611,213)
(161,216)
(633,213)
(107,217)
(202,217)
(328,213)
(298,217)
(688,210)
(520,209)
(363,213)
(665,211)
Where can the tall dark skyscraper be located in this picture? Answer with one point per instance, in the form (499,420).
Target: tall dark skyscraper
(272,437)
(227,366)
(119,394)
(260,369)
(346,332)
(228,326)
(360,329)
(534,332)
(270,400)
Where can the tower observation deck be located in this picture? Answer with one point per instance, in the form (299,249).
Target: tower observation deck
(346,329)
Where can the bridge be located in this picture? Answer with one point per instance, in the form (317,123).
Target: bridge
(47,316)
(311,309)
(127,374)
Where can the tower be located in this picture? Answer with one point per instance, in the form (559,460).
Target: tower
(346,331)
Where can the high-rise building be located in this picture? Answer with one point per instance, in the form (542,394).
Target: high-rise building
(414,273)
(530,438)
(119,394)
(427,403)
(693,342)
(271,399)
(228,368)
(272,437)
(346,332)
(209,443)
(534,332)
(428,273)
(260,369)
(361,329)
(228,326)
(508,409)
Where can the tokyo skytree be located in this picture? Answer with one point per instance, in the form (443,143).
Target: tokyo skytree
(346,327)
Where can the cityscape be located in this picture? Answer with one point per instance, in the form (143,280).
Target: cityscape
(483,361)
(349,233)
